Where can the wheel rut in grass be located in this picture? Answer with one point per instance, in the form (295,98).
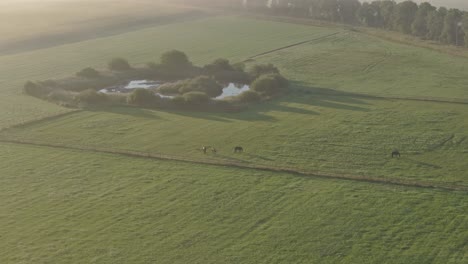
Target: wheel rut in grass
(232,164)
(290,46)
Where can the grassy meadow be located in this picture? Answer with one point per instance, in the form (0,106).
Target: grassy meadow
(68,206)
(141,47)
(332,134)
(95,208)
(346,61)
(355,62)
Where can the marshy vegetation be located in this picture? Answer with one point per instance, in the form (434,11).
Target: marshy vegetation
(178,85)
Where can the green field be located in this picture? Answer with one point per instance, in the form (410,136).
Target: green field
(94,208)
(355,62)
(332,134)
(348,61)
(61,205)
(141,47)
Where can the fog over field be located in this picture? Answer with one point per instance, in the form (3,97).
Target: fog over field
(347,143)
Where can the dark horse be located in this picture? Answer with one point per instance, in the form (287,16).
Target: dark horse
(238,149)
(396,153)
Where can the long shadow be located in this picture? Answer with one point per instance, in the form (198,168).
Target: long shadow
(130,111)
(210,116)
(328,98)
(300,94)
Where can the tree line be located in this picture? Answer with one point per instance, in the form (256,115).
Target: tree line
(425,21)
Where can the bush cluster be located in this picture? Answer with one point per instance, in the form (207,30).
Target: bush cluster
(203,84)
(269,85)
(35,89)
(144,98)
(90,97)
(119,64)
(88,73)
(198,86)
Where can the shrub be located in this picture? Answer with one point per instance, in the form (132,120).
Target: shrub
(196,98)
(204,84)
(178,100)
(35,89)
(269,85)
(232,77)
(248,97)
(170,88)
(77,84)
(119,64)
(240,66)
(175,59)
(152,65)
(60,96)
(88,73)
(261,69)
(143,97)
(91,97)
(219,65)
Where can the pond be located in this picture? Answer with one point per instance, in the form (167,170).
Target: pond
(228,91)
(145,84)
(233,90)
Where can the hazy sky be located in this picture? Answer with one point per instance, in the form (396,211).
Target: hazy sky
(461,4)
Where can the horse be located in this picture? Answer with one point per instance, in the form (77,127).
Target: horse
(238,149)
(214,150)
(396,153)
(204,149)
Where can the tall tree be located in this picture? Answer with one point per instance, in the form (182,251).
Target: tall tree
(329,9)
(347,10)
(368,15)
(465,27)
(452,32)
(435,24)
(387,11)
(419,26)
(404,16)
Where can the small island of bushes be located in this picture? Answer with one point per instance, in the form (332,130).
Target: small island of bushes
(180,85)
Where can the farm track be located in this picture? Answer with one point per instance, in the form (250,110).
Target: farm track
(290,46)
(395,97)
(240,165)
(371,66)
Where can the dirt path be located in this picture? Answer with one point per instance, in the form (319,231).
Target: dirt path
(227,163)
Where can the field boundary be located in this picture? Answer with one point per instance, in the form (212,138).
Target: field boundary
(428,99)
(239,165)
(289,46)
(391,36)
(43,119)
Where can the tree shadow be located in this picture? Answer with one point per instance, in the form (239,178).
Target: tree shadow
(329,98)
(300,94)
(130,111)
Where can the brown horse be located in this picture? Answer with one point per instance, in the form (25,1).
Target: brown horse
(396,153)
